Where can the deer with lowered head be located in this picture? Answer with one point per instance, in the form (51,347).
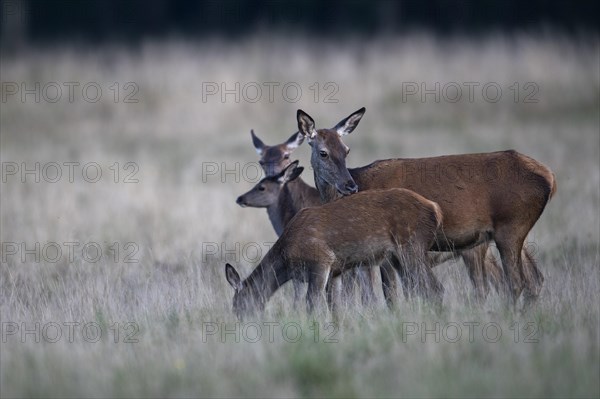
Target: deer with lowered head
(272,192)
(285,200)
(489,196)
(321,242)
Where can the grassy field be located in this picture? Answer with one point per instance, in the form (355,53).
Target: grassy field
(113,285)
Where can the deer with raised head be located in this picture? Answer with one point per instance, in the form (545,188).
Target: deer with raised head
(287,195)
(292,196)
(490,196)
(321,242)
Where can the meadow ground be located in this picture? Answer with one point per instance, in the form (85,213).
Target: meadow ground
(112,284)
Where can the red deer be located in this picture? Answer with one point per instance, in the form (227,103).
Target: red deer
(321,242)
(287,194)
(297,195)
(293,196)
(491,196)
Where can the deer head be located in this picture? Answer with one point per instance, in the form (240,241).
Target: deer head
(328,157)
(242,304)
(274,159)
(266,192)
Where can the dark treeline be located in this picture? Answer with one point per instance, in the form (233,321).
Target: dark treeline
(54,20)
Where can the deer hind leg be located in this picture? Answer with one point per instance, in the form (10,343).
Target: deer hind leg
(334,293)
(534,280)
(389,282)
(475,259)
(366,281)
(417,276)
(407,278)
(318,275)
(434,290)
(510,246)
(297,293)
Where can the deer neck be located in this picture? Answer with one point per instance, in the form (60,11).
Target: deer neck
(294,196)
(266,278)
(327,191)
(275,212)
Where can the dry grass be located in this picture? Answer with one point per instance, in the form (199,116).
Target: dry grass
(176,215)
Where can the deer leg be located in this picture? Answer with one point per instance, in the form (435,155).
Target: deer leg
(334,293)
(417,276)
(534,280)
(430,287)
(297,293)
(317,282)
(366,281)
(494,274)
(406,278)
(510,247)
(389,283)
(474,259)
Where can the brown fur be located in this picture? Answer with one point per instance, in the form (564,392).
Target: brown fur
(497,195)
(318,242)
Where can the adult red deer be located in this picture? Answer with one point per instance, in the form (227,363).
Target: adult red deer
(321,242)
(492,196)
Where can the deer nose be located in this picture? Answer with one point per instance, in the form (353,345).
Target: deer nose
(351,186)
(240,200)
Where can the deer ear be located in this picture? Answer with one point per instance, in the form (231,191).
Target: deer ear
(346,126)
(259,146)
(295,173)
(291,172)
(233,277)
(294,142)
(306,125)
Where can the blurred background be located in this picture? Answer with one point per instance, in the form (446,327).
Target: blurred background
(125,125)
(134,20)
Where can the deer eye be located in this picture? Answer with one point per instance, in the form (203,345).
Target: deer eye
(323,154)
(286,156)
(261,188)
